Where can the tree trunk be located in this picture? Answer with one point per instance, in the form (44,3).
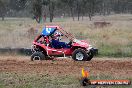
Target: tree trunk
(51,10)
(78,16)
(90,17)
(78,12)
(38,19)
(82,15)
(3,18)
(72,13)
(51,17)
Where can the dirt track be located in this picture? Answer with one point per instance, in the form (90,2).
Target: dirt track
(66,67)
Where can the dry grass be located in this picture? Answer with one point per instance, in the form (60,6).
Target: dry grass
(111,40)
(15,80)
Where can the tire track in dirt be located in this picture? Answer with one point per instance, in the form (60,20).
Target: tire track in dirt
(67,67)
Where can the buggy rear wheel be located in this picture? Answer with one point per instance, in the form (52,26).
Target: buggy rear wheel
(37,56)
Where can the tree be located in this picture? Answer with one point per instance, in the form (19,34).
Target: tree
(79,7)
(17,4)
(3,5)
(51,9)
(91,8)
(84,7)
(71,5)
(37,10)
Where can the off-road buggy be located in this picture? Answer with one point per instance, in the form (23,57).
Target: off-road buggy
(43,47)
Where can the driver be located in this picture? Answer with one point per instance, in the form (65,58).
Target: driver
(56,43)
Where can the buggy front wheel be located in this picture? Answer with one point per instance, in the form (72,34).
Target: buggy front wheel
(79,55)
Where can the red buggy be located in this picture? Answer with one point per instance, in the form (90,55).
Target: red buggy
(44,48)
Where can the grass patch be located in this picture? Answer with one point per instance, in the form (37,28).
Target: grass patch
(14,80)
(113,41)
(119,51)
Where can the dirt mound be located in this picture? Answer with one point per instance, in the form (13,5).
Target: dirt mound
(67,67)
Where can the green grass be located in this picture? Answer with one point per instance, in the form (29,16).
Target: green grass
(19,80)
(13,80)
(111,51)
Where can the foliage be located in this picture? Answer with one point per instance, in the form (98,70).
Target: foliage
(37,10)
(72,8)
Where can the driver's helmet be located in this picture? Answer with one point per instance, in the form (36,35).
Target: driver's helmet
(57,35)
